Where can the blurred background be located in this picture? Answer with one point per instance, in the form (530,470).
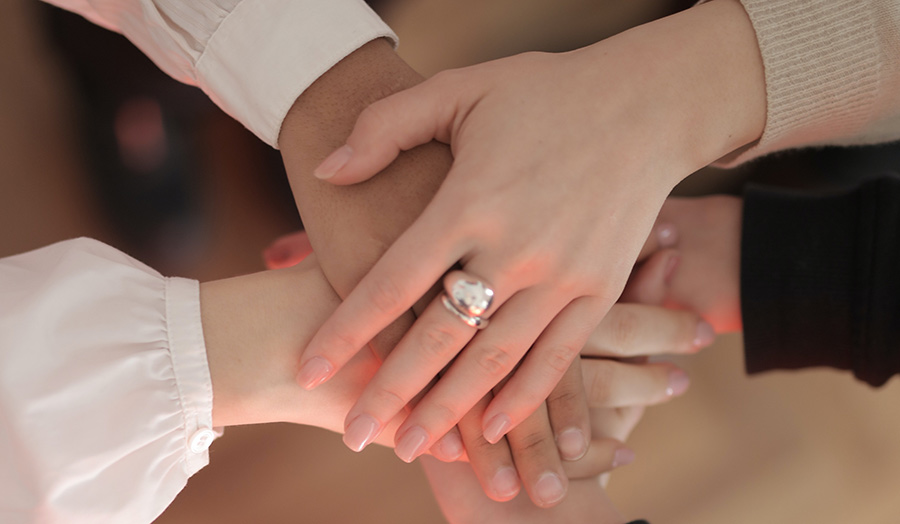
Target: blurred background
(95,141)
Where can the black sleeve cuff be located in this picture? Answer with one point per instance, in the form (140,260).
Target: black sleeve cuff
(820,280)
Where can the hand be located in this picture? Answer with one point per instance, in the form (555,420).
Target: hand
(458,493)
(706,275)
(530,135)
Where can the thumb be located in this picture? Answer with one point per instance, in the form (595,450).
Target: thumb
(649,282)
(397,123)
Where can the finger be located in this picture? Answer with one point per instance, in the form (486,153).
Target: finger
(486,361)
(537,459)
(630,330)
(287,250)
(649,283)
(393,124)
(569,414)
(433,341)
(613,384)
(603,455)
(449,448)
(493,463)
(404,273)
(615,423)
(543,368)
(663,235)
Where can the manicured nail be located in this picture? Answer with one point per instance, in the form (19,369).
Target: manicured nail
(411,444)
(666,235)
(506,483)
(549,489)
(678,383)
(671,266)
(314,372)
(361,432)
(496,428)
(705,335)
(572,444)
(622,457)
(334,162)
(451,446)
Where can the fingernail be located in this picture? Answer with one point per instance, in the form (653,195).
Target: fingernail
(276,254)
(549,489)
(622,457)
(314,372)
(333,163)
(671,266)
(361,432)
(572,444)
(451,446)
(506,482)
(411,444)
(496,428)
(705,334)
(678,383)
(666,235)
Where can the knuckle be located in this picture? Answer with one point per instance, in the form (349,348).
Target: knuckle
(559,357)
(438,342)
(624,331)
(599,389)
(387,296)
(388,400)
(531,443)
(345,342)
(496,360)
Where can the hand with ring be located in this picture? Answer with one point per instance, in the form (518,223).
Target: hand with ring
(561,163)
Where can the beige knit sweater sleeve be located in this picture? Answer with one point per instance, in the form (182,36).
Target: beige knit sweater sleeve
(832,71)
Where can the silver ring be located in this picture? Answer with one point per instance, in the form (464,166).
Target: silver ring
(475,322)
(469,295)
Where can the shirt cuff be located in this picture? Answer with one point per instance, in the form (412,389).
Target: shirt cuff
(267,52)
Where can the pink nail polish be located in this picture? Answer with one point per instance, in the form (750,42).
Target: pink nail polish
(334,162)
(678,383)
(505,483)
(622,457)
(572,444)
(412,444)
(666,235)
(496,428)
(451,446)
(361,432)
(705,335)
(549,489)
(314,372)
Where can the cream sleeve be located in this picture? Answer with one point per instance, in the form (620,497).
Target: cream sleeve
(252,57)
(832,70)
(105,393)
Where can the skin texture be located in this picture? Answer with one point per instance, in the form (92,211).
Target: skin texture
(561,163)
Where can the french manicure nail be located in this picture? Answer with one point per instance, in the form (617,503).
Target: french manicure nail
(678,383)
(549,489)
(451,446)
(314,372)
(361,432)
(671,266)
(705,335)
(334,162)
(411,444)
(496,428)
(666,235)
(622,457)
(506,482)
(572,444)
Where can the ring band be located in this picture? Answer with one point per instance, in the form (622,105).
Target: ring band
(475,322)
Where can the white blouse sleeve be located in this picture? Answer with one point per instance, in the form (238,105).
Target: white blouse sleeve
(252,57)
(105,393)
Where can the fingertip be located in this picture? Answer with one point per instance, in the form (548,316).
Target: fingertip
(623,457)
(333,163)
(705,335)
(314,372)
(497,427)
(678,382)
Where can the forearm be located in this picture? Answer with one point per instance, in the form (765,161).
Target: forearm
(350,227)
(254,327)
